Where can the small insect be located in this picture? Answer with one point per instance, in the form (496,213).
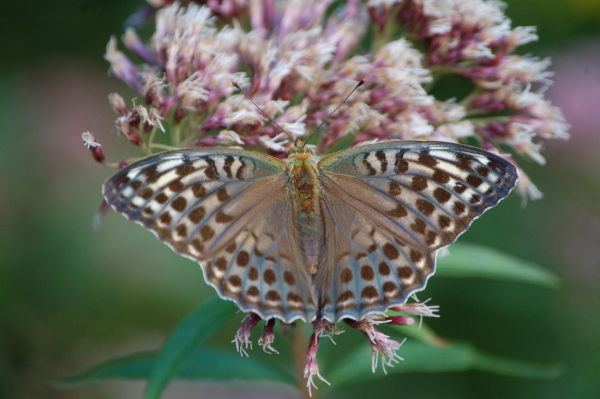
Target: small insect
(353,234)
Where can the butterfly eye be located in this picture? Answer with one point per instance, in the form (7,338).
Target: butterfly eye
(292,152)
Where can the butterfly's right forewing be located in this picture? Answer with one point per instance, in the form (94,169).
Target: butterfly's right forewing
(230,211)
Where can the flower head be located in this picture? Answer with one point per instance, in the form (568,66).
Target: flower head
(298,65)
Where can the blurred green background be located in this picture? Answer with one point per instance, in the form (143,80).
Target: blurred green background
(71,297)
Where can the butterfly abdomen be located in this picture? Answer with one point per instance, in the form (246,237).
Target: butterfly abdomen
(304,189)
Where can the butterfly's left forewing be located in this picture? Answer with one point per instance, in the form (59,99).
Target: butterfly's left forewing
(389,207)
(230,211)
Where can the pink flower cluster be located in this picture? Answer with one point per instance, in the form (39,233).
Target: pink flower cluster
(298,59)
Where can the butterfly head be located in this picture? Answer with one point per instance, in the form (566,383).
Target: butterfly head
(300,150)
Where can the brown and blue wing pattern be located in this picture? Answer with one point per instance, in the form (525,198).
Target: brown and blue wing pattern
(390,207)
(230,211)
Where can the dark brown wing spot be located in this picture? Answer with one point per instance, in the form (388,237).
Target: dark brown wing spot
(152,175)
(206,232)
(220,264)
(496,168)
(197,214)
(483,171)
(384,269)
(369,292)
(164,233)
(419,183)
(176,186)
(399,212)
(369,167)
(184,170)
(441,195)
(475,199)
(211,169)
(390,251)
(459,187)
(401,165)
(404,272)
(345,296)
(161,198)
(148,211)
(366,272)
(432,237)
(439,176)
(240,172)
(199,190)
(135,185)
(293,297)
(273,296)
(165,218)
(222,217)
(425,207)
(253,273)
(346,276)
(269,276)
(444,221)
(464,162)
(288,277)
(181,230)
(179,204)
(253,291)
(416,256)
(419,226)
(391,291)
(242,258)
(231,248)
(227,166)
(235,281)
(382,160)
(474,180)
(394,189)
(222,194)
(200,248)
(459,208)
(146,193)
(427,160)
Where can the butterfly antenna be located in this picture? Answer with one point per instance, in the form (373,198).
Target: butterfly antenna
(261,111)
(362,81)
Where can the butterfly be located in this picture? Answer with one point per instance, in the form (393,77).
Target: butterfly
(353,234)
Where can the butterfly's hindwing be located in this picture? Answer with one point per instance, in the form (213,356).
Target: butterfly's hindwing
(228,210)
(371,269)
(391,206)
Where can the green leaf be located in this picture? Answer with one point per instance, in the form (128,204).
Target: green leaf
(424,358)
(203,365)
(468,260)
(226,366)
(190,334)
(132,367)
(422,333)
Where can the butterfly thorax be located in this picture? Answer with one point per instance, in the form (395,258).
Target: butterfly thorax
(304,191)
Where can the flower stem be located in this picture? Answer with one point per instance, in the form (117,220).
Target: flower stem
(299,359)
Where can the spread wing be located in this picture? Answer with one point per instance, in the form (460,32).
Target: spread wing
(388,208)
(228,210)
